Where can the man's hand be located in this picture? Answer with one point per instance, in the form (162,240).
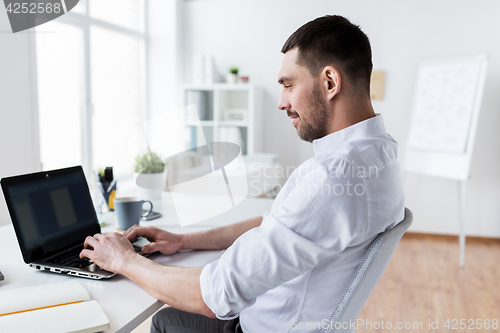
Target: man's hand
(161,240)
(110,252)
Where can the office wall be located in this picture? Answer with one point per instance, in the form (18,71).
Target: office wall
(249,34)
(163,19)
(19,151)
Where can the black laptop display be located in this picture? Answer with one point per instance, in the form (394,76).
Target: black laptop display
(52,214)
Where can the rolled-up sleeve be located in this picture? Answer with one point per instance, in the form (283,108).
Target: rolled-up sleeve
(291,240)
(260,260)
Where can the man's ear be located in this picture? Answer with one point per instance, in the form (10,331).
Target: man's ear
(332,81)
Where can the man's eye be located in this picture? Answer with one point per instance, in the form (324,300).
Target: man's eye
(287,86)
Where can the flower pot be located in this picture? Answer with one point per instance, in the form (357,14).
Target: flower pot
(232,78)
(150,185)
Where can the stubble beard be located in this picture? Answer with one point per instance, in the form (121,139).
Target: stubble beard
(315,127)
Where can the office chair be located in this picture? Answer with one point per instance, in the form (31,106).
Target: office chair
(366,276)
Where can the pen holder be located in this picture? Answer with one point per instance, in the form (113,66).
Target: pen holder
(108,190)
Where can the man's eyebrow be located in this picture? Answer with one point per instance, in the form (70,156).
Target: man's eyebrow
(283,79)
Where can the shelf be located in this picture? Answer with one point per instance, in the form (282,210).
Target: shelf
(215,103)
(201,122)
(233,123)
(220,123)
(218,86)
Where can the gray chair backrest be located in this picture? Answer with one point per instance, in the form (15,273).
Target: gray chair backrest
(366,277)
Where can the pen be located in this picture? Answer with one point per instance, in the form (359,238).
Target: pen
(110,187)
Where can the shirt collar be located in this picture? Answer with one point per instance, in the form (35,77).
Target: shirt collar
(369,128)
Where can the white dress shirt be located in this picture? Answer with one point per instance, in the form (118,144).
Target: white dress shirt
(289,274)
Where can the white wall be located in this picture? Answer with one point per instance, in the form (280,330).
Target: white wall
(163,73)
(19,151)
(249,34)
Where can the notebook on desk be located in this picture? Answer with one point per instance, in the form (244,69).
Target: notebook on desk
(52,214)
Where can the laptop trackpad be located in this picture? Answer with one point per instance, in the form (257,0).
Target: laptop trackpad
(138,244)
(141,242)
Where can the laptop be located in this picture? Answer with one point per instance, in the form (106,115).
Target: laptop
(52,214)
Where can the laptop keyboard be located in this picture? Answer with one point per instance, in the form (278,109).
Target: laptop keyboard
(71,258)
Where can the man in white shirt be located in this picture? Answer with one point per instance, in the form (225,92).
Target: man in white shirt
(287,270)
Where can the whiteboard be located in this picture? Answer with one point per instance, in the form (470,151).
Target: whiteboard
(445,114)
(444,103)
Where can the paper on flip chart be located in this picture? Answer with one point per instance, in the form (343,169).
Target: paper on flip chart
(444,102)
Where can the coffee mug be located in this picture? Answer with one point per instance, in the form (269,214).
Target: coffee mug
(129,211)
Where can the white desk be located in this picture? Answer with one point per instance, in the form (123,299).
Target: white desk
(125,304)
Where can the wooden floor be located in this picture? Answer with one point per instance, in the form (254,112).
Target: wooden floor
(423,284)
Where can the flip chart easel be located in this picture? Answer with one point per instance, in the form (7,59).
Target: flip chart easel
(444,123)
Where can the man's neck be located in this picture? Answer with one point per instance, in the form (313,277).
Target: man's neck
(346,113)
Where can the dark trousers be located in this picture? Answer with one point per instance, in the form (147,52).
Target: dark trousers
(170,320)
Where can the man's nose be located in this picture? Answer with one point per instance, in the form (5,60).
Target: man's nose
(283,103)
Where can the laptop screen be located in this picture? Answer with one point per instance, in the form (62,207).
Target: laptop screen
(51,211)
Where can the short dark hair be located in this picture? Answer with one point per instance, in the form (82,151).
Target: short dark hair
(333,40)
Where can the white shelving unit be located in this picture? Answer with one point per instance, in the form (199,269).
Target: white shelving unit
(227,113)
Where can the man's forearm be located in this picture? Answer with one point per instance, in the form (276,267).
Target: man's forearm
(219,238)
(178,287)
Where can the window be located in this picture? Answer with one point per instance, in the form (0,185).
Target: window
(90,65)
(59,95)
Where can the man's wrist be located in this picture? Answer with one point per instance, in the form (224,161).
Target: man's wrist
(184,240)
(127,263)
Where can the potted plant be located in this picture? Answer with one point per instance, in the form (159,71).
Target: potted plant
(150,176)
(232,77)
